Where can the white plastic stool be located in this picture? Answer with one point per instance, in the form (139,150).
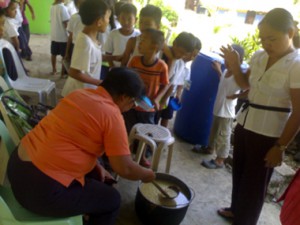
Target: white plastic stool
(155,136)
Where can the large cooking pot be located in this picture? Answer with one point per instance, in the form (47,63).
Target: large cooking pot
(153,209)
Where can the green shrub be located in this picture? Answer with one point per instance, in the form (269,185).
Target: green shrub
(250,44)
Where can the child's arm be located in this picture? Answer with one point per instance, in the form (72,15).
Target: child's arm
(108,58)
(217,66)
(157,101)
(15,42)
(179,91)
(128,51)
(78,75)
(31,10)
(69,43)
(163,94)
(65,24)
(242,95)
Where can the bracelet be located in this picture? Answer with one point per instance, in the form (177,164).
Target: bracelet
(281,147)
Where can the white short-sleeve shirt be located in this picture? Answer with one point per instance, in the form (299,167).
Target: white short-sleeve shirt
(75,26)
(270,88)
(10,29)
(87,57)
(116,43)
(224,107)
(59,14)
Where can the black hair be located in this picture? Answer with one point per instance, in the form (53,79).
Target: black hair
(2,12)
(185,40)
(198,44)
(76,2)
(156,36)
(123,81)
(91,10)
(153,12)
(111,4)
(117,7)
(279,19)
(240,50)
(128,8)
(10,3)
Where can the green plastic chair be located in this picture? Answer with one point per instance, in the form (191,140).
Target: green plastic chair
(11,212)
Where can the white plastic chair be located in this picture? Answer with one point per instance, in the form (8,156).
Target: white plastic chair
(25,84)
(11,212)
(157,138)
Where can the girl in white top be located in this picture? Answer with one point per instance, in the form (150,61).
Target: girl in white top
(272,119)
(87,57)
(117,39)
(11,25)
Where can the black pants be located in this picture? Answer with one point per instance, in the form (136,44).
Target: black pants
(43,195)
(24,44)
(250,177)
(26,30)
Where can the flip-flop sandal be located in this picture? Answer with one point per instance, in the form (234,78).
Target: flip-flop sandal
(226,213)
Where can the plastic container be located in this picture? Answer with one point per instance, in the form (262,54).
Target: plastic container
(194,120)
(175,104)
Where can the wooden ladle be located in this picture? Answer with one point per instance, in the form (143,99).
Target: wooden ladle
(170,195)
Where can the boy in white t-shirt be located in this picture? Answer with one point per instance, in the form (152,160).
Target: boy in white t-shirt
(224,112)
(150,17)
(74,27)
(59,20)
(117,39)
(183,46)
(87,55)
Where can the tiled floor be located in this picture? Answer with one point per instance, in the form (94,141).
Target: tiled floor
(212,187)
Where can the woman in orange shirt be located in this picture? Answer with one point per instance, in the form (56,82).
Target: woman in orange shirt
(56,172)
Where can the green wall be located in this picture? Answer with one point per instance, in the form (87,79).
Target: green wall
(41,24)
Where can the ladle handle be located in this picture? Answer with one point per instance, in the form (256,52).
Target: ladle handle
(160,189)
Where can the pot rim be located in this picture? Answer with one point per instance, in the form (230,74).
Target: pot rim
(179,206)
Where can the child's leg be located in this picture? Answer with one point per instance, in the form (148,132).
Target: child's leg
(147,118)
(54,53)
(53,62)
(63,49)
(166,115)
(223,139)
(164,122)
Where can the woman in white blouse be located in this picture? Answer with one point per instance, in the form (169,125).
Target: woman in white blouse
(272,118)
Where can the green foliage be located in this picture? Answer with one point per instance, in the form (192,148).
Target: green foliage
(167,11)
(250,44)
(218,28)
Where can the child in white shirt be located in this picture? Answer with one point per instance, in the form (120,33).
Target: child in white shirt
(117,39)
(224,113)
(87,55)
(11,25)
(59,36)
(74,27)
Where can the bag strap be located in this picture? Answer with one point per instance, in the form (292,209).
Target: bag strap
(5,99)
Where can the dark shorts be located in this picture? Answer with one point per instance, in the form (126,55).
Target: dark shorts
(58,48)
(166,113)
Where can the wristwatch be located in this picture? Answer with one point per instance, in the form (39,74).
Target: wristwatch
(281,147)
